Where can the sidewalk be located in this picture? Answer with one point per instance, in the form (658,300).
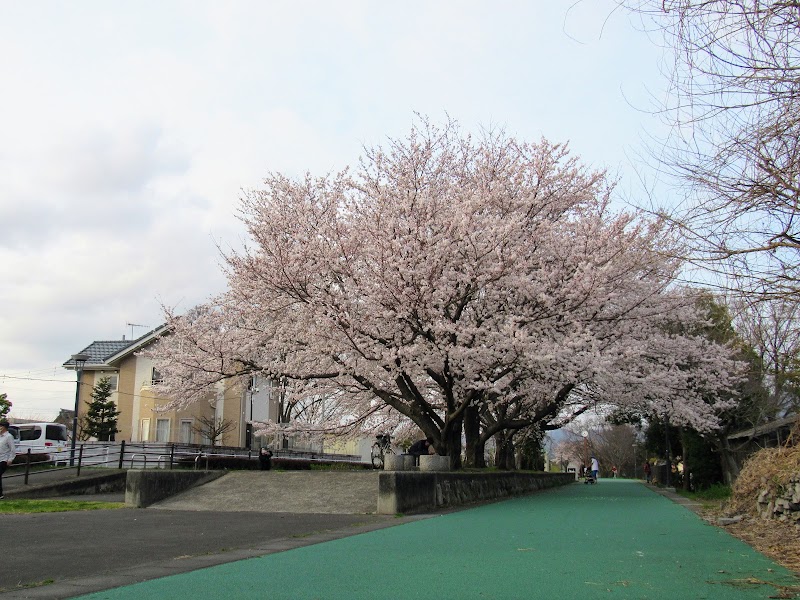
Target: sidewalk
(617,539)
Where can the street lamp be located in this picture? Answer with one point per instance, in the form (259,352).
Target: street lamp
(250,429)
(666,445)
(585,435)
(79,360)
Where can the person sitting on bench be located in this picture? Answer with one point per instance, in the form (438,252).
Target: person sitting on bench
(421,447)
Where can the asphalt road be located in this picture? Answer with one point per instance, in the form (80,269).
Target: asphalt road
(85,551)
(82,551)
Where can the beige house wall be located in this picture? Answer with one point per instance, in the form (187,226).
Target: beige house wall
(85,393)
(126,394)
(151,411)
(233,410)
(140,408)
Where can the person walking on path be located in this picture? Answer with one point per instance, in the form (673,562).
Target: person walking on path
(648,472)
(7,451)
(595,469)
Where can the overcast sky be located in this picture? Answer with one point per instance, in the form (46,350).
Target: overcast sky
(129,129)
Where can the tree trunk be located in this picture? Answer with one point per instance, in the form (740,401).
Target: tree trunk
(730,468)
(451,440)
(472,433)
(511,455)
(480,454)
(687,469)
(504,458)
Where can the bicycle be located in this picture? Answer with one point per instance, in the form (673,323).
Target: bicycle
(380,448)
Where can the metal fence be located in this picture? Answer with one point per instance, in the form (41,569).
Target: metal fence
(143,455)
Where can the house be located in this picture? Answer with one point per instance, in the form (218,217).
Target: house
(767,435)
(140,420)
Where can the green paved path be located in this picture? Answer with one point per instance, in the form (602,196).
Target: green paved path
(616,539)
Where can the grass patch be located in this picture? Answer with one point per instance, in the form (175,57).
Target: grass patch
(19,467)
(23,506)
(710,498)
(715,492)
(334,467)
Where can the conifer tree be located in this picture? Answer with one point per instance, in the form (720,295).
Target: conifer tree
(101,417)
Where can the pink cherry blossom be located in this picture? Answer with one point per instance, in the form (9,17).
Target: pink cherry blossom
(446,273)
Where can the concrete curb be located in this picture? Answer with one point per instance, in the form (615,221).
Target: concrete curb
(671,494)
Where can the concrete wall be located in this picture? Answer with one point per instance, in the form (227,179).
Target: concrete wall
(144,487)
(409,491)
(104,483)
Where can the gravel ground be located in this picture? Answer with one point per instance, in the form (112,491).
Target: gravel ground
(778,540)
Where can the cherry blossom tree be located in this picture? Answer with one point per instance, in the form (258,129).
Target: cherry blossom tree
(448,277)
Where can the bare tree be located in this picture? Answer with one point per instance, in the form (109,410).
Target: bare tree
(214,429)
(617,446)
(771,329)
(734,108)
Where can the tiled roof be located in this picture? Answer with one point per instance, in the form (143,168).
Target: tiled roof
(99,351)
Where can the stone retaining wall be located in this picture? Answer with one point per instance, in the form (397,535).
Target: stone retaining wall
(409,491)
(783,504)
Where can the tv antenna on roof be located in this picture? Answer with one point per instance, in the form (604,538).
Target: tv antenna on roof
(132,325)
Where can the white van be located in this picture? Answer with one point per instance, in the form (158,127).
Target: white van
(41,438)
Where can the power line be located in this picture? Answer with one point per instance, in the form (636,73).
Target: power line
(230,385)
(30,372)
(36,379)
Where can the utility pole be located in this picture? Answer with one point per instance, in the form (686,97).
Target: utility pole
(667,448)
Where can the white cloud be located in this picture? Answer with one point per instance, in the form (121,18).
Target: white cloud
(129,130)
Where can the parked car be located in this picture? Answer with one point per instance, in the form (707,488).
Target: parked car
(41,438)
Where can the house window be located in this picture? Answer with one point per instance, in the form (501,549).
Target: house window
(186,432)
(162,430)
(113,380)
(156,376)
(145,432)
